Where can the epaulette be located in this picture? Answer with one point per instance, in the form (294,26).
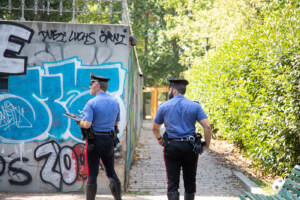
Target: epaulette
(197,102)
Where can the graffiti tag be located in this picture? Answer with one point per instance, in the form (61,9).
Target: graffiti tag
(12,39)
(13,115)
(62,165)
(87,38)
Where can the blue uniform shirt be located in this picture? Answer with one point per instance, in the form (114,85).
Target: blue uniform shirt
(179,116)
(103,111)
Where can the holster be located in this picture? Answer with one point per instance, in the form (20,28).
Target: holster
(198,144)
(165,141)
(115,136)
(87,134)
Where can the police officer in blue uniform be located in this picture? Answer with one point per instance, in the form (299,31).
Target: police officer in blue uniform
(179,116)
(102,114)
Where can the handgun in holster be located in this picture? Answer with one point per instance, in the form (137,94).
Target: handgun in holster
(198,144)
(115,136)
(87,134)
(165,141)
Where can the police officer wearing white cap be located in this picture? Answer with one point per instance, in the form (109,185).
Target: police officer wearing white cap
(102,114)
(179,115)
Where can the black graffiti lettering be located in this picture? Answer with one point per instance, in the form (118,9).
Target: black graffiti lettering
(116,38)
(68,166)
(53,35)
(102,37)
(119,41)
(76,36)
(49,152)
(60,36)
(109,36)
(72,36)
(10,155)
(61,164)
(16,172)
(67,162)
(13,38)
(44,35)
(81,36)
(88,38)
(2,165)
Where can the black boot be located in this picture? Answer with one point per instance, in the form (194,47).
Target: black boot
(115,188)
(91,190)
(173,195)
(189,196)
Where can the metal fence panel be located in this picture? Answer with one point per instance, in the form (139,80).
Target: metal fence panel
(100,11)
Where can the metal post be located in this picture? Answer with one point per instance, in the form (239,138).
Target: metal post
(9,6)
(125,13)
(43,5)
(60,7)
(110,10)
(124,21)
(99,8)
(73,14)
(23,8)
(48,7)
(35,6)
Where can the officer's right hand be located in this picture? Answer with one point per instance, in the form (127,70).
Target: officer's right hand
(160,141)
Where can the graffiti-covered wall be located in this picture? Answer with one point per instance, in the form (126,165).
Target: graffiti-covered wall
(48,66)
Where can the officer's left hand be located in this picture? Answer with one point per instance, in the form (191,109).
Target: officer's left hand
(205,148)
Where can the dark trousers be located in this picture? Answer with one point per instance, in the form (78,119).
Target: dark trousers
(100,147)
(179,155)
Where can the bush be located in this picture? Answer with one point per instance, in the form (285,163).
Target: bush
(250,87)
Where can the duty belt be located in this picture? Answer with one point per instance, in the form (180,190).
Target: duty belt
(103,133)
(186,139)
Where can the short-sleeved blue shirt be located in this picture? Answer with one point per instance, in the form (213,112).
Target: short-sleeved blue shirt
(179,116)
(103,111)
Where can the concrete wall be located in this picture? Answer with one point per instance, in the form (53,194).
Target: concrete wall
(40,149)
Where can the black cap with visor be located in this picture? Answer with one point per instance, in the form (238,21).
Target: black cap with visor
(175,82)
(98,78)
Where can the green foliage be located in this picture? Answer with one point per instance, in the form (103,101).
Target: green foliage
(243,60)
(158,53)
(250,86)
(41,15)
(86,11)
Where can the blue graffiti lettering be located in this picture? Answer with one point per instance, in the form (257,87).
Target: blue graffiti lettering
(35,103)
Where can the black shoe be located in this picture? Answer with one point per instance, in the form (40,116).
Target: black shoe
(189,196)
(91,190)
(173,195)
(115,188)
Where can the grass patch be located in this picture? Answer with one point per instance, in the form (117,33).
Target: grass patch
(265,186)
